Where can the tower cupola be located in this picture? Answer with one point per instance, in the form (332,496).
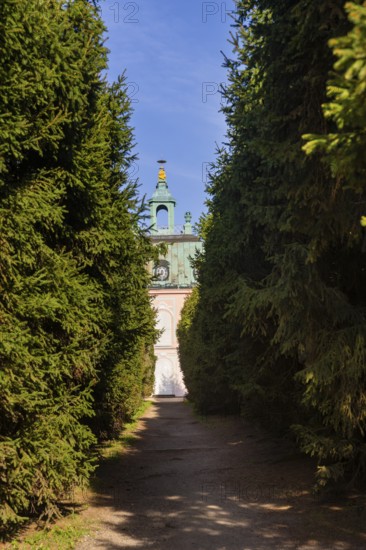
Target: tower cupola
(162,199)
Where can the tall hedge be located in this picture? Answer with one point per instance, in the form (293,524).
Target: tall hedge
(279,326)
(76,326)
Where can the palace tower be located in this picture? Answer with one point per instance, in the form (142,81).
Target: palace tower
(173,280)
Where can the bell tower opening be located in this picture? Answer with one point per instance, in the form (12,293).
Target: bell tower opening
(162,217)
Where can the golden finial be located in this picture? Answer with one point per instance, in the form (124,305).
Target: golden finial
(162,173)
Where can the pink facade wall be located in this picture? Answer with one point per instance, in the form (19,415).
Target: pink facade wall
(168,374)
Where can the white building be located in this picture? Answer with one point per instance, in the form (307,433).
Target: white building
(172,283)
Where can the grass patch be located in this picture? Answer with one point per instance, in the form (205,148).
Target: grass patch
(61,536)
(64,533)
(113,448)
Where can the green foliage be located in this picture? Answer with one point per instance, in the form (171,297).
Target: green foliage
(278,323)
(112,450)
(62,536)
(76,326)
(344,143)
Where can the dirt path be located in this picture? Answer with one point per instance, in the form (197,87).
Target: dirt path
(219,485)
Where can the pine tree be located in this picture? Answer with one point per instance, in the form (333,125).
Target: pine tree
(342,395)
(345,110)
(282,270)
(72,256)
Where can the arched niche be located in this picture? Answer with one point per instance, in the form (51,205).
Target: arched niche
(165,323)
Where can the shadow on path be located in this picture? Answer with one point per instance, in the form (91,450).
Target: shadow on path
(216,485)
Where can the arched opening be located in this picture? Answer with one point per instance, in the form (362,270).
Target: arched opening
(162,219)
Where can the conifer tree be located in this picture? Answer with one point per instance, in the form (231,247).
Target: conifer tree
(281,275)
(345,110)
(73,294)
(342,396)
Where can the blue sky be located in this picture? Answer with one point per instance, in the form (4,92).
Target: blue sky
(171,53)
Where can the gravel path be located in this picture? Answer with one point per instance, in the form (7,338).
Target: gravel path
(218,485)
